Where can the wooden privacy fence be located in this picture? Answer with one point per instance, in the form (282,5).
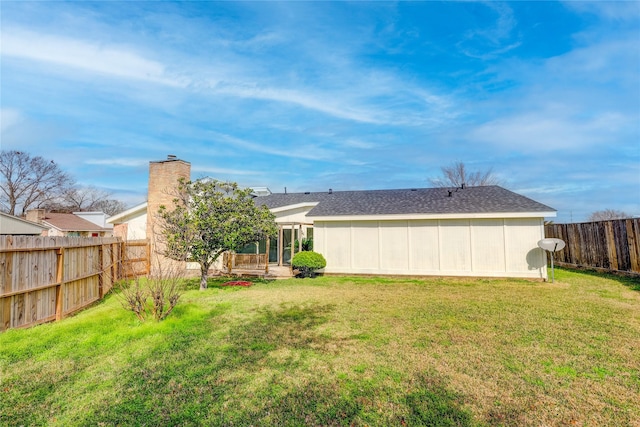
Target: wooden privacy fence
(136,258)
(608,245)
(47,278)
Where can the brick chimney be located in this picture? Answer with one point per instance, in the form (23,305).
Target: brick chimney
(163,179)
(36,215)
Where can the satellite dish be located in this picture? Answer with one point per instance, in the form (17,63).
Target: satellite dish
(552,245)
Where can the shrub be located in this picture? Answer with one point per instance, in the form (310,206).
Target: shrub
(307,244)
(153,296)
(307,262)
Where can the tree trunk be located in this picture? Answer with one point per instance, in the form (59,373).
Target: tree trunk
(204,274)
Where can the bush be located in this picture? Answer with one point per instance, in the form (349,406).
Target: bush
(307,262)
(153,296)
(307,244)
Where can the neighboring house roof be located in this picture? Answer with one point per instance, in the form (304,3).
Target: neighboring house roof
(10,224)
(128,214)
(470,200)
(69,222)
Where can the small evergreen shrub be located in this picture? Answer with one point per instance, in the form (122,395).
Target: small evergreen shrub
(307,244)
(308,262)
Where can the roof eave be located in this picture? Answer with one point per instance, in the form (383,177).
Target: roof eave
(478,215)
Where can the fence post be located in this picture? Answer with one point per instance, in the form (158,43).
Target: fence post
(102,272)
(59,280)
(266,264)
(115,260)
(148,257)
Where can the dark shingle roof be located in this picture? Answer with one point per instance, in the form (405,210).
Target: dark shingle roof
(487,199)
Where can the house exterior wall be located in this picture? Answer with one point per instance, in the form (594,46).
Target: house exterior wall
(17,226)
(130,224)
(293,215)
(54,232)
(492,247)
(137,227)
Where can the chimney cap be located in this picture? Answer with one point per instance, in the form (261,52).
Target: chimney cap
(172,157)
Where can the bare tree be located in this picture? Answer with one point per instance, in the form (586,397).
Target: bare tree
(29,181)
(153,296)
(83,199)
(607,214)
(457,174)
(110,206)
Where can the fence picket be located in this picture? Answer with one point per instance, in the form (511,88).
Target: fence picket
(608,245)
(47,278)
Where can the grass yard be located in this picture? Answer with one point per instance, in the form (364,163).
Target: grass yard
(341,351)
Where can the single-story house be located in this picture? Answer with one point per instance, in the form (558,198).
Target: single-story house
(130,224)
(472,231)
(69,224)
(13,225)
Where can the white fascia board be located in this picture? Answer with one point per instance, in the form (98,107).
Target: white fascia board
(296,206)
(122,215)
(491,215)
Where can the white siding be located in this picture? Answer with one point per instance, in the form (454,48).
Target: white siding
(394,246)
(337,245)
(365,254)
(137,227)
(456,247)
(424,237)
(487,240)
(297,214)
(521,256)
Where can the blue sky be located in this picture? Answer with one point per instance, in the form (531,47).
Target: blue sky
(319,95)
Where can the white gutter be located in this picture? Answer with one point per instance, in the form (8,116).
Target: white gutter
(388,217)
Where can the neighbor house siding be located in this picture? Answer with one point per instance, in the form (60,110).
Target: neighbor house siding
(293,215)
(458,247)
(137,229)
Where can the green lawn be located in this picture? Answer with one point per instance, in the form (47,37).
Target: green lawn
(341,351)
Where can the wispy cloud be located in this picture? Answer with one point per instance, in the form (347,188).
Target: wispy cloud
(625,10)
(487,42)
(118,162)
(94,57)
(224,171)
(9,117)
(300,152)
(329,94)
(358,143)
(542,131)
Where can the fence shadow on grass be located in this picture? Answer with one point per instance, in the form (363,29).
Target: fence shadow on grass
(631,282)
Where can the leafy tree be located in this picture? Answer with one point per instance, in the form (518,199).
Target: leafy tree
(209,218)
(29,181)
(457,174)
(607,214)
